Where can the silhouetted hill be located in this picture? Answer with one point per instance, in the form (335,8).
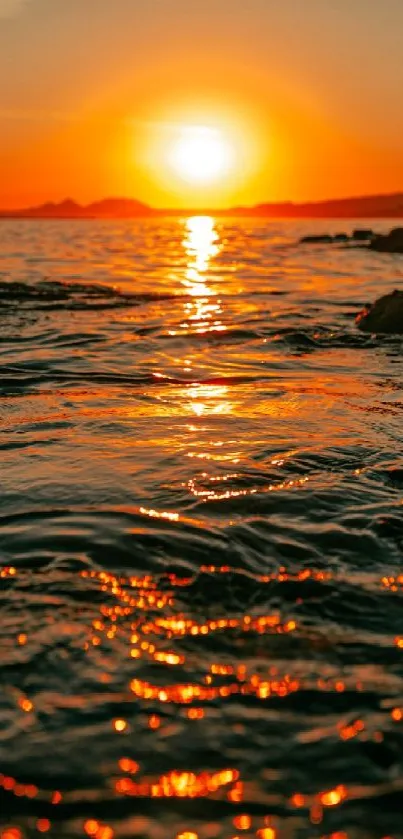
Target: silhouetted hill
(119,208)
(367,206)
(66,209)
(69,209)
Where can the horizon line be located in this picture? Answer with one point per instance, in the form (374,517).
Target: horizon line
(138,207)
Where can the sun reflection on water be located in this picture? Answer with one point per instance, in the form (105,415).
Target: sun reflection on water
(201,245)
(202,311)
(209,399)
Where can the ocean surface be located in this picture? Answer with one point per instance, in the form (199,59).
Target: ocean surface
(201,533)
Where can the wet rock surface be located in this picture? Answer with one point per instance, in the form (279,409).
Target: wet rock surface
(391,243)
(385,315)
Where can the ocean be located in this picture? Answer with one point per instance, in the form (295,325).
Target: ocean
(201,533)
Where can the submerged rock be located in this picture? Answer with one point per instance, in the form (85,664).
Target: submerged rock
(365,236)
(361,238)
(385,315)
(316,240)
(390,243)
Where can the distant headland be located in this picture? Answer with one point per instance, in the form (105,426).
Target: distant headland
(367,206)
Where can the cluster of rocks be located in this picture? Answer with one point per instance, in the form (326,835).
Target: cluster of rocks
(387,243)
(385,316)
(359,235)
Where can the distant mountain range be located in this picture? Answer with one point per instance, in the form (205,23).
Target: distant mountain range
(368,206)
(108,208)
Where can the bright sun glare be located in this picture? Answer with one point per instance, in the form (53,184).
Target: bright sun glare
(201,154)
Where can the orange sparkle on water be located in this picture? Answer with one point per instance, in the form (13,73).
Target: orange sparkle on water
(104,832)
(334,797)
(195,713)
(298,800)
(25,705)
(349,731)
(242,822)
(128,765)
(91,827)
(8,571)
(43,825)
(178,785)
(187,835)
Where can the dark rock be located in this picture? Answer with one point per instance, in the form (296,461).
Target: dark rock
(362,234)
(341,237)
(395,475)
(316,240)
(385,315)
(391,243)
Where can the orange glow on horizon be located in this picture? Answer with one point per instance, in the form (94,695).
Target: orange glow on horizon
(217,155)
(274,84)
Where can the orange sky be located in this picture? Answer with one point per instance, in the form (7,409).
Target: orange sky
(308,92)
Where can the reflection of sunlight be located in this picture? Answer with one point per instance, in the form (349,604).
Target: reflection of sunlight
(209,399)
(201,245)
(202,311)
(200,248)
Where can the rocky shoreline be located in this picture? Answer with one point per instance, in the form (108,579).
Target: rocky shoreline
(391,242)
(385,316)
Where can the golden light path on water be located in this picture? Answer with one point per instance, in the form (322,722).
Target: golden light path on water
(201,245)
(203,314)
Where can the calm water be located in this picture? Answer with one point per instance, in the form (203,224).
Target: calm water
(201,534)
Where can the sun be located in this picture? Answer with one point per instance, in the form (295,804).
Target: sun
(201,154)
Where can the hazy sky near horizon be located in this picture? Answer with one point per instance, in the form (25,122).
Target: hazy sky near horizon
(311,91)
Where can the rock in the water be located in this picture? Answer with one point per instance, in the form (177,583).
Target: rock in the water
(362,234)
(316,240)
(363,238)
(385,315)
(391,243)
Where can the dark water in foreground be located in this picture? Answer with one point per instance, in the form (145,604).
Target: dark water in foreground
(201,535)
